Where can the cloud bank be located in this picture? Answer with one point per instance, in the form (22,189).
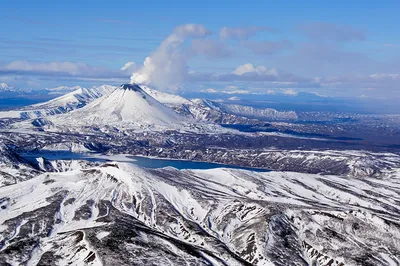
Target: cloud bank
(59,69)
(27,73)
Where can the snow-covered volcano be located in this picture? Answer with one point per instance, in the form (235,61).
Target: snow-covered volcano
(126,105)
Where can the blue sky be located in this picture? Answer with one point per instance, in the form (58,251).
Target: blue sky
(348,48)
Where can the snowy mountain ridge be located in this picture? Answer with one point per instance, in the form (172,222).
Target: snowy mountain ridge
(3,86)
(250,112)
(62,104)
(211,111)
(120,214)
(201,110)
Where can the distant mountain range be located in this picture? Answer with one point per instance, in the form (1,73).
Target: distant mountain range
(298,102)
(7,91)
(200,110)
(204,109)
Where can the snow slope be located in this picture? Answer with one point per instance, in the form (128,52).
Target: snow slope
(127,106)
(12,92)
(251,112)
(79,96)
(120,214)
(13,168)
(59,105)
(3,86)
(211,111)
(166,98)
(247,111)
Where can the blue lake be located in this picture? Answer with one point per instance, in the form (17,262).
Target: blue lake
(146,162)
(183,164)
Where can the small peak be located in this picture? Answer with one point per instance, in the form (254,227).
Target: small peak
(3,86)
(131,87)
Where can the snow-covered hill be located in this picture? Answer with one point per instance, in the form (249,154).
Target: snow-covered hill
(7,91)
(120,214)
(166,98)
(3,86)
(75,99)
(13,168)
(62,89)
(211,111)
(59,105)
(248,111)
(10,91)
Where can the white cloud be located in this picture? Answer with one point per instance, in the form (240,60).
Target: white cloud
(209,90)
(259,70)
(237,92)
(231,87)
(189,30)
(377,80)
(167,66)
(58,69)
(234,98)
(381,76)
(210,48)
(229,91)
(241,33)
(391,45)
(248,73)
(289,92)
(373,85)
(130,66)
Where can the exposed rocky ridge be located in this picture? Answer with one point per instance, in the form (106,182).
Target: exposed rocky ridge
(13,168)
